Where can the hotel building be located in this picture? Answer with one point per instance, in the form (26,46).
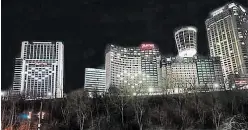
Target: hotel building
(183,74)
(227,31)
(39,71)
(134,67)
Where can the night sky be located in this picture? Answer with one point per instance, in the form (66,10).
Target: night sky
(87,26)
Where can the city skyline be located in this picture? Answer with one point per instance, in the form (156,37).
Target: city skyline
(91,52)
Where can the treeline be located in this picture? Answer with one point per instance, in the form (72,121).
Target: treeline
(214,110)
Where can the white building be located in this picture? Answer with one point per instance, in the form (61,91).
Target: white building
(95,80)
(186,41)
(42,70)
(18,74)
(179,74)
(227,29)
(134,67)
(191,73)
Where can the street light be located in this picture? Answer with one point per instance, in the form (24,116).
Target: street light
(150,89)
(49,94)
(3,93)
(216,85)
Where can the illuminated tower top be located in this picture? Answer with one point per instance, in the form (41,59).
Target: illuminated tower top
(186,38)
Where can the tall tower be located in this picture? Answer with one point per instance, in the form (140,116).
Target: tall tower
(41,71)
(186,41)
(227,29)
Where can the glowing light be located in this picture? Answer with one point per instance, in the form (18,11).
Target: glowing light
(29,115)
(150,90)
(216,85)
(49,94)
(218,11)
(231,5)
(3,93)
(147,46)
(242,9)
(187,53)
(38,63)
(186,28)
(134,94)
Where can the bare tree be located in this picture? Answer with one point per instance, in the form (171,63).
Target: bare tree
(5,112)
(120,99)
(139,103)
(161,114)
(66,113)
(236,122)
(79,102)
(216,112)
(106,101)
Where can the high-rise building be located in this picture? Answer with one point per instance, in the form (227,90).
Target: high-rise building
(227,29)
(179,74)
(95,80)
(209,72)
(187,73)
(18,75)
(186,41)
(42,70)
(136,67)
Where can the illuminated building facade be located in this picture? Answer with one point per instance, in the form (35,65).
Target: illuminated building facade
(186,41)
(183,74)
(135,67)
(18,75)
(41,71)
(238,82)
(95,80)
(209,72)
(227,31)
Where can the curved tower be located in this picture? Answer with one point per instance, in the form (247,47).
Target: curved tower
(136,67)
(186,38)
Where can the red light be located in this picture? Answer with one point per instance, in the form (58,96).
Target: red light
(147,46)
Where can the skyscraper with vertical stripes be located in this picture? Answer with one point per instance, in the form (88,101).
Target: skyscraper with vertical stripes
(42,70)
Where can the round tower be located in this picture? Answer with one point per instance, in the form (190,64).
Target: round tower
(186,38)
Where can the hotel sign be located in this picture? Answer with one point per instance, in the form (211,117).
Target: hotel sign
(147,46)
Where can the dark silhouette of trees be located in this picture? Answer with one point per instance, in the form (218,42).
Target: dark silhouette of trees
(115,111)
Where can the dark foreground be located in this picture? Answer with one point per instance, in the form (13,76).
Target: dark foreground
(215,110)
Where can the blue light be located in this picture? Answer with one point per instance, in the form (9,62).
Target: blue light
(24,116)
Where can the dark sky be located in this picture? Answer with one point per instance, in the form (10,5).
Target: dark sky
(87,26)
